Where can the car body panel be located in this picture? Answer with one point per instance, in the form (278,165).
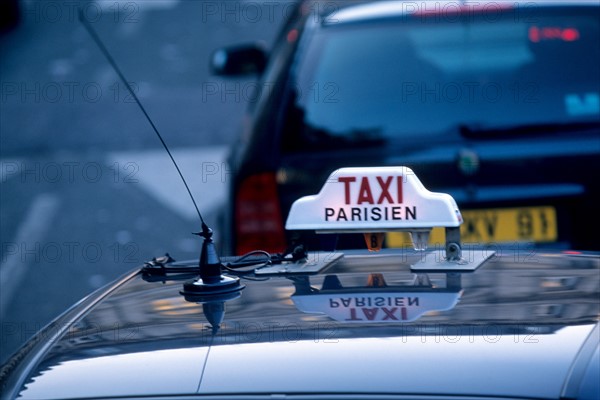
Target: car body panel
(478,366)
(131,374)
(394,9)
(516,331)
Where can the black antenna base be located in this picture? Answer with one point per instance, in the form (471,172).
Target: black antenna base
(202,289)
(210,263)
(210,283)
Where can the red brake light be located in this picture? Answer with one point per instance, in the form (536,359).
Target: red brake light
(258,221)
(292,36)
(547,33)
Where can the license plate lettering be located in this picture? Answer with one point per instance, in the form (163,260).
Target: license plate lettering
(525,224)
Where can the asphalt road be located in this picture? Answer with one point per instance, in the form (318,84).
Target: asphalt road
(87,193)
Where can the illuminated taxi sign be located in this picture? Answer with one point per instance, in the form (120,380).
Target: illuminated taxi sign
(373,200)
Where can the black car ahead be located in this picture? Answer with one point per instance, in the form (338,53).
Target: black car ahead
(496,103)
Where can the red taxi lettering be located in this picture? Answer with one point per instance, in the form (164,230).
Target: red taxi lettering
(385,190)
(372,314)
(346,180)
(353,316)
(389,313)
(373,200)
(365,192)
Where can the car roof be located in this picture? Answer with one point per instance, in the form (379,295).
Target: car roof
(143,338)
(352,12)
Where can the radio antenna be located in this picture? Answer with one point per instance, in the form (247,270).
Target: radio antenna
(112,62)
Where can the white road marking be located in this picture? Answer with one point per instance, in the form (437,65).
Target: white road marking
(204,170)
(15,255)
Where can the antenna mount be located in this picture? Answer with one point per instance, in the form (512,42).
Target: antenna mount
(210,283)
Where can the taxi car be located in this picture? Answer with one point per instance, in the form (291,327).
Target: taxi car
(449,323)
(496,103)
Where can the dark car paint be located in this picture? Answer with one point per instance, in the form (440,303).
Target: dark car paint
(515,332)
(551,177)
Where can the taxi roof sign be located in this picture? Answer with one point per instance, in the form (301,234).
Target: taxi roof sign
(375,199)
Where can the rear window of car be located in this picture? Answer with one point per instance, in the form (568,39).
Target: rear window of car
(370,83)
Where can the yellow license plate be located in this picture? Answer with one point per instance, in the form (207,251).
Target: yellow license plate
(526,224)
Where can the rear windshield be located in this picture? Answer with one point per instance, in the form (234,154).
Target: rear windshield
(375,82)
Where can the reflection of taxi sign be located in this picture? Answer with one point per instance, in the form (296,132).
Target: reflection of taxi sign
(377,302)
(373,200)
(376,307)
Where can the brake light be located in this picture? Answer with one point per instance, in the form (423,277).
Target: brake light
(548,33)
(258,221)
(292,36)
